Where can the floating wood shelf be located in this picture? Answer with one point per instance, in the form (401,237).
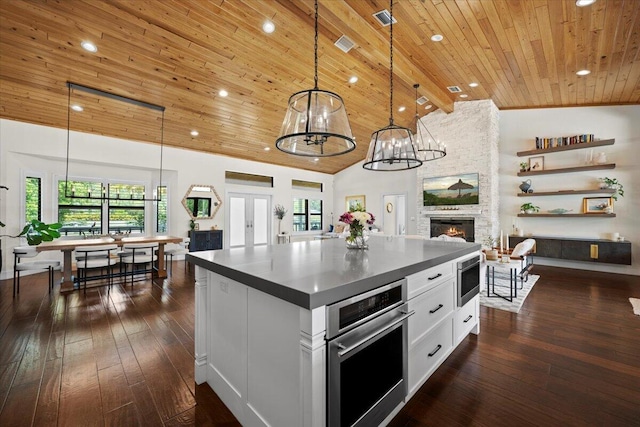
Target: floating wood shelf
(593,144)
(583,215)
(566,192)
(571,169)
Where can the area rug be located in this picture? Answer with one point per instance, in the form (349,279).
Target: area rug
(635,303)
(502,287)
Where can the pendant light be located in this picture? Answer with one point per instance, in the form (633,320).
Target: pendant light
(391,148)
(316,123)
(428,147)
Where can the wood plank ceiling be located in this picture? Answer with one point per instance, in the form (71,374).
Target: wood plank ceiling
(180,53)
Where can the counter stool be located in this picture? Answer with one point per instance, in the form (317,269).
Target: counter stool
(21,252)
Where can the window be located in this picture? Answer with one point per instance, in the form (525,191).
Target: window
(33,199)
(80,216)
(124,211)
(126,214)
(161,210)
(307,214)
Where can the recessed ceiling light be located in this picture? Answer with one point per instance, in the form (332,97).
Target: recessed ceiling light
(223,93)
(402,108)
(316,159)
(267,148)
(474,84)
(77,108)
(353,79)
(428,107)
(268,27)
(437,38)
(88,46)
(583,3)
(583,72)
(464,95)
(194,133)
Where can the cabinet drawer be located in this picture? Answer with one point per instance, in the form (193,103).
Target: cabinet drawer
(465,319)
(427,355)
(430,308)
(427,279)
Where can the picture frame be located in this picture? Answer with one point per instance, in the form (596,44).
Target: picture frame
(597,205)
(536,163)
(352,201)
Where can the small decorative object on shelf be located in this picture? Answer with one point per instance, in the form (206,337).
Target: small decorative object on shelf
(526,186)
(356,218)
(529,208)
(524,166)
(612,184)
(559,211)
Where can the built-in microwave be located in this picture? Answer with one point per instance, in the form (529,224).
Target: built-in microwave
(468,279)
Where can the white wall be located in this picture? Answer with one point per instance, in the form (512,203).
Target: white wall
(355,180)
(518,129)
(27,148)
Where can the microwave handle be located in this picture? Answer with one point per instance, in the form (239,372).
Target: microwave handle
(344,350)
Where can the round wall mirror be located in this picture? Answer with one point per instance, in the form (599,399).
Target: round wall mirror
(201,202)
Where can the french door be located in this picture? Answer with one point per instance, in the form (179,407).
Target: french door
(249,219)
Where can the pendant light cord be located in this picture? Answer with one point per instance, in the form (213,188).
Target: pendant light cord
(315,48)
(391,65)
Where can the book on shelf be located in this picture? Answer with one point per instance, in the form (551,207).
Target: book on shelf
(544,143)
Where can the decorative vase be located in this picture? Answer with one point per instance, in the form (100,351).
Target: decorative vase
(357,239)
(525,186)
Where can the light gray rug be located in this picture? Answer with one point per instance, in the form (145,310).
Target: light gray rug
(502,287)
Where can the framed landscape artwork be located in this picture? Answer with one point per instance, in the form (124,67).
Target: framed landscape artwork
(597,205)
(451,190)
(352,201)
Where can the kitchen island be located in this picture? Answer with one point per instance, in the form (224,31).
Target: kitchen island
(261,317)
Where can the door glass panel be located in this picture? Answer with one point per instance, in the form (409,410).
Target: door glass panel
(260,224)
(237,221)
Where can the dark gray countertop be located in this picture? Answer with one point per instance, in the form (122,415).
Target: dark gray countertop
(320,272)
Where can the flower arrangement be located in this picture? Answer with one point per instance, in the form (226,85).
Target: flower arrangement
(279,211)
(357,217)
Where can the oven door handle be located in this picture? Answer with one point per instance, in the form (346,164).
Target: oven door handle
(344,350)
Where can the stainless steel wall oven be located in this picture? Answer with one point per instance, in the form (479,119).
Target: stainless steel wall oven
(468,279)
(367,356)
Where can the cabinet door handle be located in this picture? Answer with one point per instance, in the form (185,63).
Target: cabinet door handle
(468,318)
(435,277)
(436,309)
(433,353)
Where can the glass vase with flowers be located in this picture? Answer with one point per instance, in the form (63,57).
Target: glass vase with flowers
(358,220)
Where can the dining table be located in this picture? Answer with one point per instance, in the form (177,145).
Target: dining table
(67,246)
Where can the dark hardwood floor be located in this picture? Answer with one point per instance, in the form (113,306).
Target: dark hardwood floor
(125,357)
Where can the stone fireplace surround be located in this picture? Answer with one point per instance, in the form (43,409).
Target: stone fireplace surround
(471,134)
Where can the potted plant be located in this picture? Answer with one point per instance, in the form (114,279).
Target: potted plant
(529,208)
(524,166)
(612,184)
(491,251)
(37,232)
(279,211)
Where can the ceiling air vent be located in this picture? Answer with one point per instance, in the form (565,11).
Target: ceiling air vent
(384,17)
(422,100)
(454,89)
(344,43)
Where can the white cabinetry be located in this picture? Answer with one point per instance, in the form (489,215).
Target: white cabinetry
(438,325)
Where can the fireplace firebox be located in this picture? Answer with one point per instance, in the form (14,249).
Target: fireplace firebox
(453,227)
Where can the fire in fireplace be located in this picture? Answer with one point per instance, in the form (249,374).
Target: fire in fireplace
(453,227)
